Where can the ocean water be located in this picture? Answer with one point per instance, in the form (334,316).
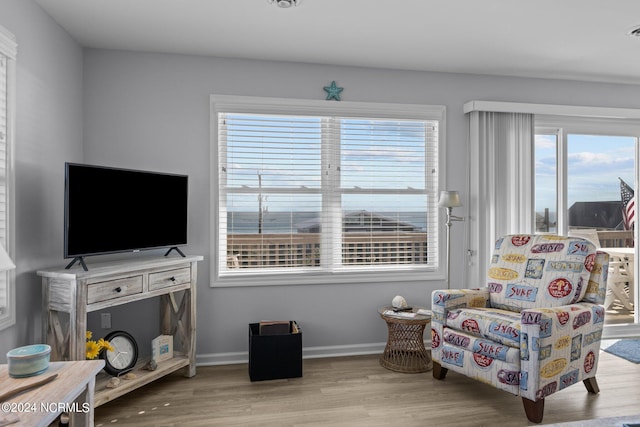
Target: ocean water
(284,222)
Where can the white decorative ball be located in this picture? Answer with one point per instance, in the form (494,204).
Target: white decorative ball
(399,302)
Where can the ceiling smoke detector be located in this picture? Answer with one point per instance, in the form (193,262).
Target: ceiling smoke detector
(285,3)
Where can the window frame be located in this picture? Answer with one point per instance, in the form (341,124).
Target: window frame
(283,106)
(8,48)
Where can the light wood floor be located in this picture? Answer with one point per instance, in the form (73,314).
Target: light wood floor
(357,391)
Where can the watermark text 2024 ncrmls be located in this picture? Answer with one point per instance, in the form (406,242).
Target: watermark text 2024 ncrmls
(45,407)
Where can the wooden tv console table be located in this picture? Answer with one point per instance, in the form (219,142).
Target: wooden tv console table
(71,294)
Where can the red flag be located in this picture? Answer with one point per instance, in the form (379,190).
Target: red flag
(628,205)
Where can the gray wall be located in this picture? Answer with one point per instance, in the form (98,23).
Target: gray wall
(48,132)
(151,111)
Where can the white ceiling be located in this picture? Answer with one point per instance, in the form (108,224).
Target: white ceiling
(567,39)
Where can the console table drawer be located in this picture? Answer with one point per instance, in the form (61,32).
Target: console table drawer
(165,279)
(113,289)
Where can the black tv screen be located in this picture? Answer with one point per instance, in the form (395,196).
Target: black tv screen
(110,210)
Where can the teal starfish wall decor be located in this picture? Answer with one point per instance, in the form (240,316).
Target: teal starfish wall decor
(333,91)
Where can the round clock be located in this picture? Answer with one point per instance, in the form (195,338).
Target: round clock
(124,355)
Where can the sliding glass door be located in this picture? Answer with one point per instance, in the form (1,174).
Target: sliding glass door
(585,181)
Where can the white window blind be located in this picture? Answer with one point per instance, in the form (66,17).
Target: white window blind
(270,185)
(307,193)
(386,190)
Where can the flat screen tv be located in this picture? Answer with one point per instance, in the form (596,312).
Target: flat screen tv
(109,210)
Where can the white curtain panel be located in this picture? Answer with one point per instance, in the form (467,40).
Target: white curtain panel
(501,178)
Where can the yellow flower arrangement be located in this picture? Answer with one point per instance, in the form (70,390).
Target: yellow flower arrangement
(93,348)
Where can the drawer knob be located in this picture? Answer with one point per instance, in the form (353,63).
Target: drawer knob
(172,278)
(118,289)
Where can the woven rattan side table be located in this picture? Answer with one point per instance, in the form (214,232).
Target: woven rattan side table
(405,351)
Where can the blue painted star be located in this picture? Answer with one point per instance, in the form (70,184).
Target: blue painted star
(333,91)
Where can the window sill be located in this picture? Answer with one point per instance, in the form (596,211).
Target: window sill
(306,278)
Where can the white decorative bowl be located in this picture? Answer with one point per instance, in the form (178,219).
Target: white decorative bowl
(29,360)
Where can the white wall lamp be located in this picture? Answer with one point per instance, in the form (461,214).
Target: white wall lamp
(449,200)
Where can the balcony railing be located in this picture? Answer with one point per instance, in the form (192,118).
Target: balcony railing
(616,238)
(303,249)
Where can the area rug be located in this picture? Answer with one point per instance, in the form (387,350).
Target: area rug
(627,349)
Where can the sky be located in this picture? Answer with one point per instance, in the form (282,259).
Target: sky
(391,156)
(595,163)
(282,158)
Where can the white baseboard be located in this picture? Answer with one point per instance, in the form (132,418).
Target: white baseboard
(211,359)
(621,331)
(307,353)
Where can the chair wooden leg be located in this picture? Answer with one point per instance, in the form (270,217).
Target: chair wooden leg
(534,410)
(592,385)
(438,371)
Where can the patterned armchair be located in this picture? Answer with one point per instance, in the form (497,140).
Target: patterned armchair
(535,328)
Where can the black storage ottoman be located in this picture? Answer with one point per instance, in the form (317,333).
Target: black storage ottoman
(275,356)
